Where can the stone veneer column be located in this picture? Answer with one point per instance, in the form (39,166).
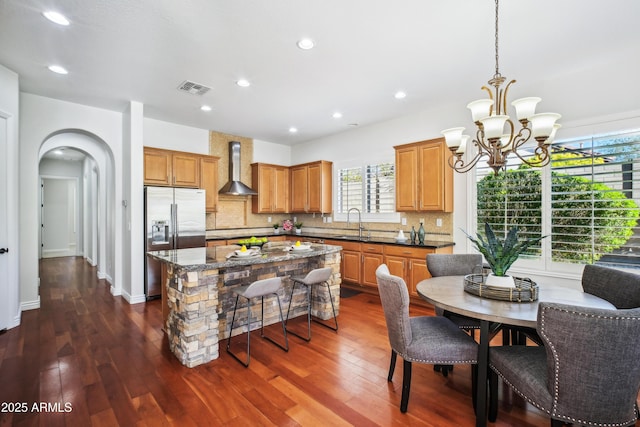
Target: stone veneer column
(201,303)
(192,324)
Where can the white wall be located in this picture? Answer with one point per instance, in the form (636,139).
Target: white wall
(42,118)
(9,282)
(268,152)
(171,136)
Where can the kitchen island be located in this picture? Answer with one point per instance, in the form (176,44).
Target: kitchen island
(198,299)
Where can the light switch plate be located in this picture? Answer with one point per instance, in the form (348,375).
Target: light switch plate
(404,221)
(439,222)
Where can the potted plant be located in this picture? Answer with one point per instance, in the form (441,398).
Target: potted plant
(276,228)
(500,254)
(298,226)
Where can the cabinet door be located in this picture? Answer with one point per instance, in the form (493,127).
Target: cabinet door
(280,195)
(209,181)
(262,178)
(314,188)
(417,271)
(186,170)
(406,179)
(351,266)
(370,263)
(157,167)
(299,185)
(397,265)
(436,175)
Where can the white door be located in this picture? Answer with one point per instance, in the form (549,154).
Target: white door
(59,220)
(5,302)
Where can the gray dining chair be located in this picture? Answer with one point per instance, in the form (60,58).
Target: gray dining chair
(587,372)
(620,288)
(455,265)
(422,339)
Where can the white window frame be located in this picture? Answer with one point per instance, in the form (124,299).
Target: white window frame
(393,217)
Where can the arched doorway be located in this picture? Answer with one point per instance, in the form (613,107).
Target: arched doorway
(88,160)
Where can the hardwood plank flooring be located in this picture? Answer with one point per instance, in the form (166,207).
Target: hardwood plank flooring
(94,360)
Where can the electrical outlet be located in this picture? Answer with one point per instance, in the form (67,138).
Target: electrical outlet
(439,222)
(329,220)
(421,221)
(404,221)
(269,219)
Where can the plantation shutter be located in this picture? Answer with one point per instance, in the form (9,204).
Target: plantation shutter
(595,185)
(511,198)
(370,188)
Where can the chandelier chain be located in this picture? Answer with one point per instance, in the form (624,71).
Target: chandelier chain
(497,68)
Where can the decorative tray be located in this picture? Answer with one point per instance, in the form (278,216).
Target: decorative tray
(526,290)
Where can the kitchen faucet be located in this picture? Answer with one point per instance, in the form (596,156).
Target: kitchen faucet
(360,227)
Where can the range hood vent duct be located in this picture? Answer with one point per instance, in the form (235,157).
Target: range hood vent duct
(234,186)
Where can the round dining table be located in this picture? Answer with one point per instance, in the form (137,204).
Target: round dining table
(447,292)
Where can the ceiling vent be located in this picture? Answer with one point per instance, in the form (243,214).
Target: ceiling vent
(193,88)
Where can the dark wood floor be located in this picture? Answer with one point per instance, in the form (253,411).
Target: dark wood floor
(93,359)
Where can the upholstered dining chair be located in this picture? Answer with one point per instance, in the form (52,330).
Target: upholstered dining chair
(455,265)
(620,288)
(587,372)
(422,339)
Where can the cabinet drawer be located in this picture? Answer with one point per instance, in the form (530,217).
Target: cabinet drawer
(346,245)
(372,248)
(408,252)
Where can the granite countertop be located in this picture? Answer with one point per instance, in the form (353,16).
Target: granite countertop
(197,259)
(433,244)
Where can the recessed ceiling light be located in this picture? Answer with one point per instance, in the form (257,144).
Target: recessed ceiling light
(306,44)
(58,69)
(400,95)
(337,115)
(56,17)
(58,152)
(243,83)
(205,108)
(293,130)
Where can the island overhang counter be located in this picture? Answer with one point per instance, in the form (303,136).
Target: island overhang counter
(198,299)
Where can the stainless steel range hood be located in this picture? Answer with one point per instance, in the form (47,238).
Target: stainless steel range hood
(235,186)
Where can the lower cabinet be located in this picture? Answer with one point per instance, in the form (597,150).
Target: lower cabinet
(410,263)
(360,261)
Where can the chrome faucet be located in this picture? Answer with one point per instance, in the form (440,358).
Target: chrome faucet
(360,226)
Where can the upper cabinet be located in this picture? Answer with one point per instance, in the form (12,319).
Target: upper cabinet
(209,181)
(179,169)
(424,180)
(311,187)
(271,182)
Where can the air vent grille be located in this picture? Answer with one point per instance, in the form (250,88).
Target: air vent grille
(193,88)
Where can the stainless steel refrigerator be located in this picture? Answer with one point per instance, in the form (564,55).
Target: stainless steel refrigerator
(174,219)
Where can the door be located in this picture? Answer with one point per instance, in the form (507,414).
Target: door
(59,217)
(5,302)
(190,218)
(158,202)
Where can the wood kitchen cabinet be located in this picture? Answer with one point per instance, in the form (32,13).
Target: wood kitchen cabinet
(372,257)
(311,190)
(272,184)
(410,263)
(359,262)
(171,168)
(424,180)
(209,181)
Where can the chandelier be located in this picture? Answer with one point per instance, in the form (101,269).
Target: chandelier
(496,136)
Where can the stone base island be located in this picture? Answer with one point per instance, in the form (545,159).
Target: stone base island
(197,297)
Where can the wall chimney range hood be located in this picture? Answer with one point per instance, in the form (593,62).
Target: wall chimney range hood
(235,187)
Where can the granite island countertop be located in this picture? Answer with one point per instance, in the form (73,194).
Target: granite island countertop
(432,244)
(216,257)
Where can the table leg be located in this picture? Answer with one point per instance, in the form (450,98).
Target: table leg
(483,366)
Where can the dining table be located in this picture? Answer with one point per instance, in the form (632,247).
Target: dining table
(448,293)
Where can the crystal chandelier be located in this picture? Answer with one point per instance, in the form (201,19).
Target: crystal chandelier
(496,136)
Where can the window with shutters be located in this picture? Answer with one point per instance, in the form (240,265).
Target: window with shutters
(587,202)
(369,188)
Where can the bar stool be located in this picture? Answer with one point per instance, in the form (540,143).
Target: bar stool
(317,276)
(259,288)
